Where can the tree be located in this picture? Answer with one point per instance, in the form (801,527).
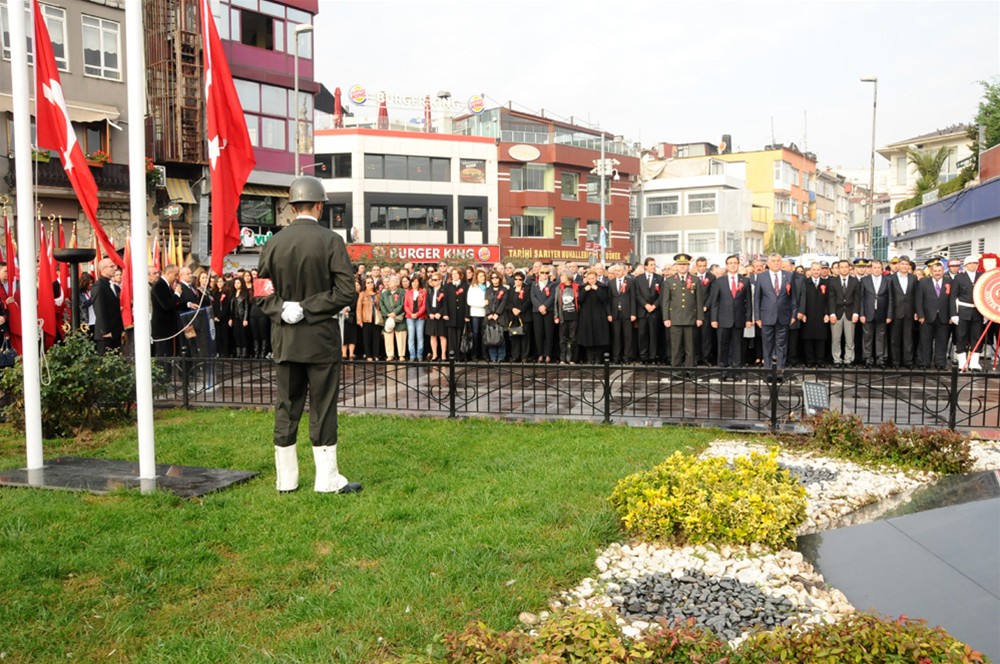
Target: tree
(782,239)
(928,164)
(988,116)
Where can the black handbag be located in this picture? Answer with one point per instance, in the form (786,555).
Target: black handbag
(466,343)
(492,335)
(515,328)
(8,356)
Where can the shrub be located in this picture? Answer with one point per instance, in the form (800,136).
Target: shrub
(80,389)
(909,203)
(938,450)
(861,637)
(479,643)
(691,500)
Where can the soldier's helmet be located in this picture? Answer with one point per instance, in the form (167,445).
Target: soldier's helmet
(306,189)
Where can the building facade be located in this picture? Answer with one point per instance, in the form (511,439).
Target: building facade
(88,41)
(782,180)
(549,200)
(410,196)
(903,175)
(698,205)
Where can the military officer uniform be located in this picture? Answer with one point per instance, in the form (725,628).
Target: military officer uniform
(312,282)
(683,310)
(967,318)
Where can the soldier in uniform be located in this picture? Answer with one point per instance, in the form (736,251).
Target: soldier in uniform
(966,318)
(312,282)
(683,312)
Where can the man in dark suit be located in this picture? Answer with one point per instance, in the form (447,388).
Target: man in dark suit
(903,287)
(622,315)
(795,329)
(704,345)
(730,310)
(166,321)
(933,299)
(776,303)
(876,314)
(966,317)
(843,307)
(815,332)
(108,327)
(646,289)
(312,282)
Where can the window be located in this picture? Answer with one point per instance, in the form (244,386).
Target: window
(570,187)
(402,167)
(55,21)
(785,174)
(101,46)
(530,177)
(274,101)
(399,217)
(333,165)
(253,128)
(249,94)
(901,171)
(257,30)
(527,225)
(257,210)
(569,231)
(593,230)
(594,190)
(701,243)
(662,243)
(658,206)
(948,169)
(336,215)
(272,133)
(472,220)
(701,203)
(96,137)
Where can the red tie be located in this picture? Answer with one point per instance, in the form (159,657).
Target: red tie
(732,286)
(777,288)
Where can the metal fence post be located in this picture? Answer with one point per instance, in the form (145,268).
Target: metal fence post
(772,383)
(451,385)
(607,388)
(185,380)
(953,398)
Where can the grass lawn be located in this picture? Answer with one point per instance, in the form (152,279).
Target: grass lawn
(458,519)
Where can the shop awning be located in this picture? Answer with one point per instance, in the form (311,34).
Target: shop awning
(179,191)
(264,190)
(78,112)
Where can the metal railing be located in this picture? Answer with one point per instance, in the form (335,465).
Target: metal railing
(650,395)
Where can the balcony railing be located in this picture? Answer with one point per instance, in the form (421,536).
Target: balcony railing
(109,177)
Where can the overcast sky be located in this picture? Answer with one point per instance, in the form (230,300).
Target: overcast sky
(681,71)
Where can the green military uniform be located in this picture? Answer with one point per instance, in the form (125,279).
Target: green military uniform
(683,305)
(307,264)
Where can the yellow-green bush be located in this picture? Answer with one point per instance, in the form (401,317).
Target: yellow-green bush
(687,500)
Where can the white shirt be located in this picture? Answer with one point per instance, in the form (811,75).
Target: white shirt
(902,281)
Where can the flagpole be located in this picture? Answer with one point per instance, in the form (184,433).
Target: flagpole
(136,89)
(26,238)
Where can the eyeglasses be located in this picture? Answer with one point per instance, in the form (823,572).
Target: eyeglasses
(518,278)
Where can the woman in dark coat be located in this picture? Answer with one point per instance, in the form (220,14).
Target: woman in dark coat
(593,329)
(222,311)
(542,306)
(436,311)
(815,333)
(519,317)
(496,314)
(567,315)
(239,321)
(456,310)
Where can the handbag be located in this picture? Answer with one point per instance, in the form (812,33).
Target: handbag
(8,356)
(466,343)
(515,330)
(492,335)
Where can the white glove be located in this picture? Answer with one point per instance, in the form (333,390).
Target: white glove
(954,320)
(291,312)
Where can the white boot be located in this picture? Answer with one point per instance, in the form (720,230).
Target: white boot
(974,364)
(286,462)
(328,477)
(960,360)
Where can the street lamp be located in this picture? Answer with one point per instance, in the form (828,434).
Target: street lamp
(871,175)
(299,29)
(605,169)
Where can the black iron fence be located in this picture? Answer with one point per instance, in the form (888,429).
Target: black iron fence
(752,398)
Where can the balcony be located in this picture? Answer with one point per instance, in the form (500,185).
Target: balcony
(109,177)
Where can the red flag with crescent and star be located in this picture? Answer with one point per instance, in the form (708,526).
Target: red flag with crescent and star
(230,152)
(55,130)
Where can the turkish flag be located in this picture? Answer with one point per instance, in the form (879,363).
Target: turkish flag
(13,307)
(230,153)
(125,297)
(55,131)
(46,291)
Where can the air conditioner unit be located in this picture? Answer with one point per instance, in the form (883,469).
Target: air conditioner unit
(162,180)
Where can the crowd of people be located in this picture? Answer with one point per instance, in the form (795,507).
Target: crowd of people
(765,312)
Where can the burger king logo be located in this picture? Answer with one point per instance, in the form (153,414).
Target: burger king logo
(483,254)
(477,104)
(358,94)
